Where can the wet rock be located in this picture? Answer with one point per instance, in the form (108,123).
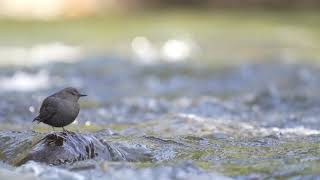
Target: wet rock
(15,145)
(129,152)
(65,148)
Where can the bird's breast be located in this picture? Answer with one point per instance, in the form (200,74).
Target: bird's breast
(69,109)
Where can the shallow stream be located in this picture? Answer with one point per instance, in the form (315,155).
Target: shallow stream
(164,121)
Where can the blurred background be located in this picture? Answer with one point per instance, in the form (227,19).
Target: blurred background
(208,31)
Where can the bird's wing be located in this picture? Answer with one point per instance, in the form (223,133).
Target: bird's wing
(48,109)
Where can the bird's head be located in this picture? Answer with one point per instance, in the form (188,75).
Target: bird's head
(71,94)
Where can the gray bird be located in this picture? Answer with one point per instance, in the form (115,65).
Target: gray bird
(60,109)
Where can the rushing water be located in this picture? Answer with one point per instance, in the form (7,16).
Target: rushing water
(164,121)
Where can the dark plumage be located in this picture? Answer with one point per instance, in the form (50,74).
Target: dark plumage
(60,109)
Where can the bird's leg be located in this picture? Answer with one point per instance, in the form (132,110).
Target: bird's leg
(64,130)
(53,130)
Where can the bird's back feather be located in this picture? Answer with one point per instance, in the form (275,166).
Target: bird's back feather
(48,109)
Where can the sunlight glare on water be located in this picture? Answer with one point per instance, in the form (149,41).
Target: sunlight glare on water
(176,50)
(39,54)
(144,49)
(22,81)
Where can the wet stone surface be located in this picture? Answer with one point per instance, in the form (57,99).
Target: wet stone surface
(67,148)
(168,121)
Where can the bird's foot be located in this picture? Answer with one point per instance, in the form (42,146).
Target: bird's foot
(66,131)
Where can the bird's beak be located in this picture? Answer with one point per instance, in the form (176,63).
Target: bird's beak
(81,95)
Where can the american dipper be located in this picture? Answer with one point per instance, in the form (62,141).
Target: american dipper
(60,109)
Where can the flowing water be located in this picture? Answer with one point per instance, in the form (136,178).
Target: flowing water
(163,121)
